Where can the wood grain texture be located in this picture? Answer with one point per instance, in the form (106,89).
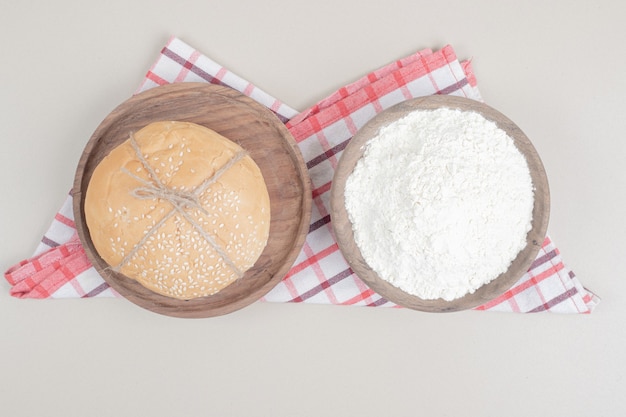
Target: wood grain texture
(254,128)
(343,228)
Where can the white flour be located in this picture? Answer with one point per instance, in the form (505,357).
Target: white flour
(440,203)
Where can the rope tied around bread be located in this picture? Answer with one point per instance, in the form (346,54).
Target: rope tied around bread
(181,200)
(178,198)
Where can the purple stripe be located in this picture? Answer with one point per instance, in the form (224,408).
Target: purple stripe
(556,300)
(191,67)
(100,288)
(49,242)
(331,152)
(377,303)
(319,223)
(542,259)
(332,281)
(452,88)
(326,284)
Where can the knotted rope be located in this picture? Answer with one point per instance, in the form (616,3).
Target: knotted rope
(181,200)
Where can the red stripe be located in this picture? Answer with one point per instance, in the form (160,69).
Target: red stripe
(360,297)
(275,106)
(41,292)
(347,118)
(344,111)
(288,282)
(64,250)
(77,287)
(469,73)
(187,65)
(305,129)
(399,79)
(317,270)
(373,97)
(62,219)
(312,259)
(153,77)
(430,74)
(321,189)
(522,287)
(67,273)
(448,53)
(37,265)
(514,305)
(248,90)
(221,73)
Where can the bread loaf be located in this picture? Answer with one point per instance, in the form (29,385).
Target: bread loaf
(179,208)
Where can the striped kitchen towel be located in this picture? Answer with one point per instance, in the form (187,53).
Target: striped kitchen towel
(60,268)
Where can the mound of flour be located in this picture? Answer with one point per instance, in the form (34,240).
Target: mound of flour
(440,203)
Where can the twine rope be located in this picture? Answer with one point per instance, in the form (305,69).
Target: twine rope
(180,201)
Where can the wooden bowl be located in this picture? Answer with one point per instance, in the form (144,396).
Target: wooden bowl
(343,228)
(254,128)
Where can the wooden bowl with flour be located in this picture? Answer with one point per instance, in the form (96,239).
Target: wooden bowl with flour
(261,135)
(366,231)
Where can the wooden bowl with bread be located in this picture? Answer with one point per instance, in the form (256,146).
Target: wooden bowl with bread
(192,200)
